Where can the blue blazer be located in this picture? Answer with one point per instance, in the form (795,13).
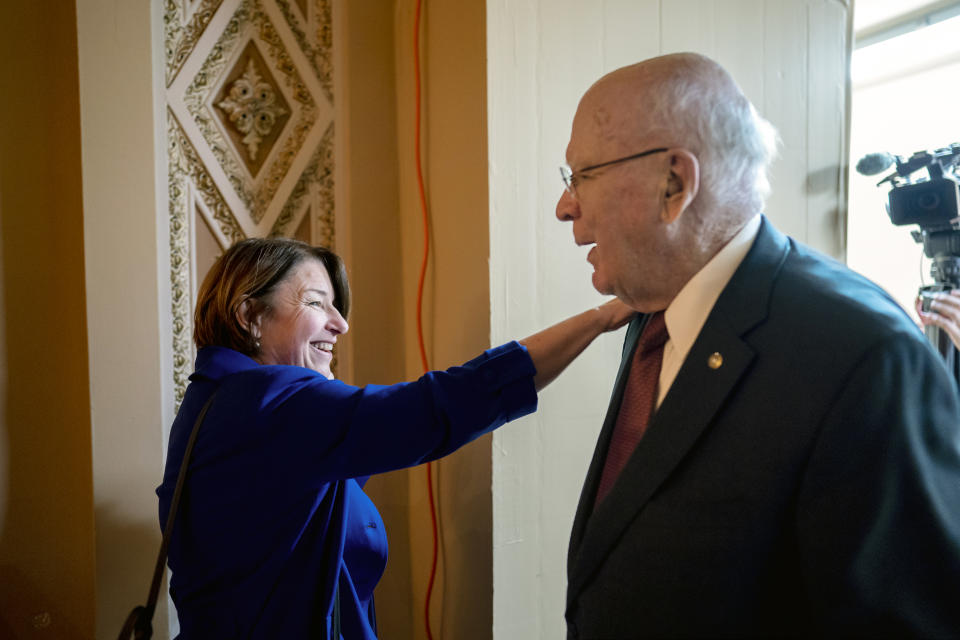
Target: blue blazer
(272,516)
(808,486)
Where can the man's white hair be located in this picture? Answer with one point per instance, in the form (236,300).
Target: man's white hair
(700,107)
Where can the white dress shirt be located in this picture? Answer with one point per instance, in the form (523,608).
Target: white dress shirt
(689,310)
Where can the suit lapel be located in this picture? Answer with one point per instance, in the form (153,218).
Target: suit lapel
(682,417)
(589,491)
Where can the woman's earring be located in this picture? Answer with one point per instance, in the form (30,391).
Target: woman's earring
(257,345)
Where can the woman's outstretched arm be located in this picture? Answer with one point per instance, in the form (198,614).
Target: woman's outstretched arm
(555,347)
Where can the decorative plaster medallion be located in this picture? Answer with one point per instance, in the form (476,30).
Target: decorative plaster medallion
(253,109)
(256,193)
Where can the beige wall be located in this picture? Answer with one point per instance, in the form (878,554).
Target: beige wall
(46,492)
(385,253)
(456,302)
(125,242)
(367,165)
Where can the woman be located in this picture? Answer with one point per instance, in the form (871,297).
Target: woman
(273,523)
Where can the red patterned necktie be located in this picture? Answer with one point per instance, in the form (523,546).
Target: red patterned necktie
(639,400)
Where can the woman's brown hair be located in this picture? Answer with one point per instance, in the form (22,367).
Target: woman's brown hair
(249,270)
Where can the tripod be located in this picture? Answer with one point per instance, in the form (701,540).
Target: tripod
(945,271)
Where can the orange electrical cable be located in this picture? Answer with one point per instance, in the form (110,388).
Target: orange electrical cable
(423,276)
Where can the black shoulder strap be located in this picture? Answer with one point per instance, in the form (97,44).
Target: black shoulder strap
(140,619)
(174,505)
(336,611)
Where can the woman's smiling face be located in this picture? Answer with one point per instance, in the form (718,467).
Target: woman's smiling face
(300,325)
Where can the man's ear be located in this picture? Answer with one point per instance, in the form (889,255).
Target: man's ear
(248,318)
(682,183)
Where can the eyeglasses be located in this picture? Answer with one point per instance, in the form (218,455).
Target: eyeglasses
(570,177)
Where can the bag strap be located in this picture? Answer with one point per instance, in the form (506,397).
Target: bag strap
(336,611)
(141,617)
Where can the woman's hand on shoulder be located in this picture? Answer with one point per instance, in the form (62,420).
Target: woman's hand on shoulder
(615,314)
(553,348)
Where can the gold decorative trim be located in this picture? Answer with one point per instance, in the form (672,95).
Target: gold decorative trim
(321,55)
(180,38)
(194,96)
(319,171)
(256,196)
(325,179)
(185,168)
(179,256)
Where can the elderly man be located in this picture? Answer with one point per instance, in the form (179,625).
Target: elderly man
(783,458)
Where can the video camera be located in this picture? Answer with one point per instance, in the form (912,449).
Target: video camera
(929,200)
(925,191)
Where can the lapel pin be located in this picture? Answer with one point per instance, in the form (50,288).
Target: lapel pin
(715,361)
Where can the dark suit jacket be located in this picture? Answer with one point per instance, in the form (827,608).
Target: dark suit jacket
(808,486)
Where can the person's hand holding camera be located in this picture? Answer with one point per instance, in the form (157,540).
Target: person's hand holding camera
(944,312)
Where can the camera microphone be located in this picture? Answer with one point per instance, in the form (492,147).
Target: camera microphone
(874,163)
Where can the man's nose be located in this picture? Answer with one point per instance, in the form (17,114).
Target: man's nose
(568,209)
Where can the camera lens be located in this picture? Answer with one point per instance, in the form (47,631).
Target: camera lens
(928,201)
